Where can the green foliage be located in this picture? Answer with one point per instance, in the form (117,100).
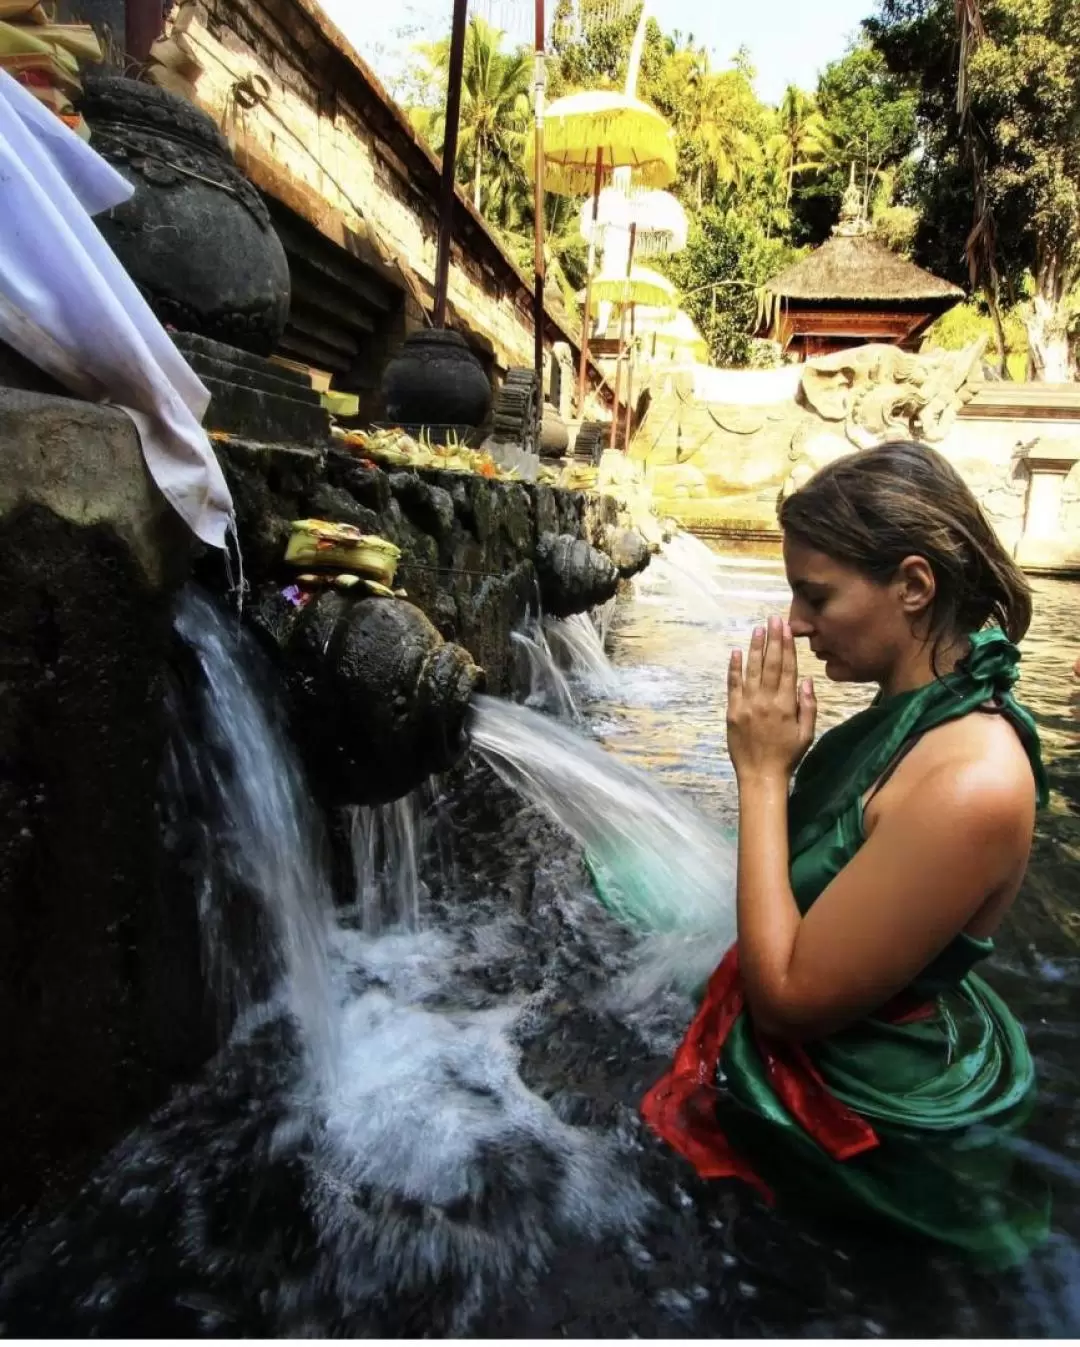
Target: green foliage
(726,262)
(870,117)
(1023,99)
(760,181)
(599,58)
(495,117)
(969,322)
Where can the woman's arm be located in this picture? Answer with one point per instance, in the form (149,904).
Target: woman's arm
(930,864)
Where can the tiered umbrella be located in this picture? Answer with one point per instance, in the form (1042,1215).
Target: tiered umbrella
(662,226)
(587,138)
(639,285)
(676,335)
(634,221)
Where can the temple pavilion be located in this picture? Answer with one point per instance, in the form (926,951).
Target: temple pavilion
(850,291)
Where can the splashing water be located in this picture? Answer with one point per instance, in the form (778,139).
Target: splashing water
(270,841)
(386,842)
(430,1172)
(712,590)
(549,688)
(604,617)
(580,644)
(663,868)
(480,1125)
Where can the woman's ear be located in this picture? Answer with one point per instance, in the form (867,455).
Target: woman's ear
(916,586)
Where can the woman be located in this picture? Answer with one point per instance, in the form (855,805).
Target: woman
(845,1050)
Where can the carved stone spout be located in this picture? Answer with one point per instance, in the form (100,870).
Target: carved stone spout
(379,700)
(574,577)
(628,549)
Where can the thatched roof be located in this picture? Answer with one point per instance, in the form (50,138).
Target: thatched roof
(856,267)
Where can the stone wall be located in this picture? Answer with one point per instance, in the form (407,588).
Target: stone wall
(468,544)
(101,990)
(310,124)
(100,994)
(718,448)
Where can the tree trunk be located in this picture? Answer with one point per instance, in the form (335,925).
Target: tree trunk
(477,174)
(999,328)
(1049,357)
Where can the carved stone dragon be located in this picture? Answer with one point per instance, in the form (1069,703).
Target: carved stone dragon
(883,393)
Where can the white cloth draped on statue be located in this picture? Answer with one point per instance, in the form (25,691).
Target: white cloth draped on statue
(67,305)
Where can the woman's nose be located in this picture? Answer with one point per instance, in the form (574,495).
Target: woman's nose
(798,623)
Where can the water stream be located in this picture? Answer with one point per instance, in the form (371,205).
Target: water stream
(386,843)
(424,1121)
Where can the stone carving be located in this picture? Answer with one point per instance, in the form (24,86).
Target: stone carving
(380,701)
(881,392)
(740,420)
(853,221)
(628,549)
(573,576)
(435,380)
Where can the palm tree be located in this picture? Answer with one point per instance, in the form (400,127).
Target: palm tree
(804,141)
(495,110)
(764,179)
(713,120)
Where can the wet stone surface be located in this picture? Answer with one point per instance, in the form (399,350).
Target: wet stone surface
(475,1164)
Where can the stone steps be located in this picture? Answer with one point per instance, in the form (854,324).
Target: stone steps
(252,398)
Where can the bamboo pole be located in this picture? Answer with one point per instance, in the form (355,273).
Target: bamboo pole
(583,373)
(538,228)
(630,380)
(449,159)
(614,441)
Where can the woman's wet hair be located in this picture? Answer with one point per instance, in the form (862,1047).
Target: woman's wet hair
(873,509)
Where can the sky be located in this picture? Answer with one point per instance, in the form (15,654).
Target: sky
(789,40)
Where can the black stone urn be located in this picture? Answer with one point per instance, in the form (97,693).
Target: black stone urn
(380,700)
(554,435)
(196,237)
(435,380)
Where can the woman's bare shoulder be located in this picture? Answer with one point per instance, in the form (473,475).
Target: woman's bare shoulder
(978,756)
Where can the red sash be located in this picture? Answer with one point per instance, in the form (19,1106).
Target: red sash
(681,1107)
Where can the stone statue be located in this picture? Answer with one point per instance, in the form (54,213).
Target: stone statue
(883,393)
(853,219)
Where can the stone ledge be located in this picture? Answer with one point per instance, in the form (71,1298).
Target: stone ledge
(84,464)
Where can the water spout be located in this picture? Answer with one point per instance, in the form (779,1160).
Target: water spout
(581,646)
(663,868)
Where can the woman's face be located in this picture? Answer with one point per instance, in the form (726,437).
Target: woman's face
(859,628)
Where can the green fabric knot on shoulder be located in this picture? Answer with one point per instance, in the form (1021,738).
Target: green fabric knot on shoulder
(992,659)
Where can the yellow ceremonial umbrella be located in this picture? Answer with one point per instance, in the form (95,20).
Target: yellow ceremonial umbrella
(589,135)
(638,285)
(642,286)
(587,138)
(679,334)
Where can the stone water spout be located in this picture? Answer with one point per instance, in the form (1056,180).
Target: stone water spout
(628,549)
(379,699)
(573,576)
